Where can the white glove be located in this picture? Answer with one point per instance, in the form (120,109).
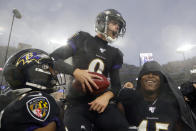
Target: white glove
(61,79)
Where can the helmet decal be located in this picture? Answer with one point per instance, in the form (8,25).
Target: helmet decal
(30,68)
(29,57)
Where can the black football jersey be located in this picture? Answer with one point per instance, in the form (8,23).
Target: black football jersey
(161,114)
(94,54)
(31,111)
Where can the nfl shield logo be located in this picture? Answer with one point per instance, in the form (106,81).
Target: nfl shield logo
(39,108)
(152,109)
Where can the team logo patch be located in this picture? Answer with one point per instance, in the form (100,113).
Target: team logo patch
(39,108)
(29,57)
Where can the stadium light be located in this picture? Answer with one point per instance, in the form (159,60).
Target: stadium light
(184,48)
(55,43)
(16,14)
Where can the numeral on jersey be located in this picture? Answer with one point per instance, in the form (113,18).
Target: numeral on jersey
(161,126)
(96,65)
(143,126)
(1,114)
(158,126)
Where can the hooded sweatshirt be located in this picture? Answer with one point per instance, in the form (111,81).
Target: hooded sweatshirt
(169,95)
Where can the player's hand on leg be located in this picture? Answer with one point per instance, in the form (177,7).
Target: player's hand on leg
(85,79)
(99,104)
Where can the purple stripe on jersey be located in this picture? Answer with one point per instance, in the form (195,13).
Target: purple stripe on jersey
(116,67)
(71,43)
(58,123)
(33,127)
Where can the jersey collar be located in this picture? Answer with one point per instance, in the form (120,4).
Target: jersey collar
(101,40)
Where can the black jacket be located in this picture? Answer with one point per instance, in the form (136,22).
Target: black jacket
(187,116)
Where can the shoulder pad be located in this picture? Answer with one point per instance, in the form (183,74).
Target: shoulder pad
(120,52)
(117,50)
(84,33)
(79,34)
(119,55)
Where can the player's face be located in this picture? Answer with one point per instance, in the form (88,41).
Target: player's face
(150,82)
(113,29)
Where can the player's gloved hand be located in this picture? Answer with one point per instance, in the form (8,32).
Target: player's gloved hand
(85,79)
(101,102)
(60,83)
(61,79)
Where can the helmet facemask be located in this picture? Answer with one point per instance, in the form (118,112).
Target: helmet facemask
(39,78)
(43,77)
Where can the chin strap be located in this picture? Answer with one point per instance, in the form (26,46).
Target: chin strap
(110,39)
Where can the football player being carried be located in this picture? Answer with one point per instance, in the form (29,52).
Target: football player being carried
(35,109)
(157,103)
(94,54)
